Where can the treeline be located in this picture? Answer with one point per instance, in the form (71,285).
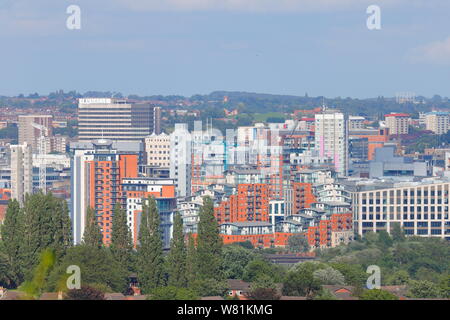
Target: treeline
(36,249)
(421,264)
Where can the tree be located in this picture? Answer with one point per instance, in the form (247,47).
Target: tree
(298,243)
(234,260)
(423,289)
(46,225)
(121,243)
(97,266)
(384,239)
(84,293)
(177,255)
(34,288)
(258,268)
(209,243)
(92,235)
(263,288)
(172,293)
(150,248)
(300,281)
(191,253)
(377,294)
(12,234)
(329,276)
(397,233)
(399,277)
(354,275)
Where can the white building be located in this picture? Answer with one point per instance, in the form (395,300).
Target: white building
(21,171)
(421,208)
(180,159)
(331,138)
(157,150)
(437,122)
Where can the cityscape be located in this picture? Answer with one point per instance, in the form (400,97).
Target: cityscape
(229,195)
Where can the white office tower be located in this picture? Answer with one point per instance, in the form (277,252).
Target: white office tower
(180,159)
(331,138)
(21,171)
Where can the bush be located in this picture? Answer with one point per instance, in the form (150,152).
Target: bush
(84,293)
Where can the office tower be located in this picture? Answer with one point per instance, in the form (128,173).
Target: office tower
(21,171)
(31,127)
(331,138)
(398,123)
(96,183)
(116,119)
(181,159)
(157,150)
(438,122)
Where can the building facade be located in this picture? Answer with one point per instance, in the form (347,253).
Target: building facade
(116,119)
(21,171)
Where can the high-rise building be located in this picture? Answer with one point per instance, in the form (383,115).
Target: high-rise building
(398,123)
(21,171)
(137,190)
(116,119)
(31,127)
(331,138)
(438,122)
(157,150)
(181,159)
(96,182)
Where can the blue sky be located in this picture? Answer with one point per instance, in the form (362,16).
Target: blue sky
(147,47)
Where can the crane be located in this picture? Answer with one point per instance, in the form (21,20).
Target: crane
(41,151)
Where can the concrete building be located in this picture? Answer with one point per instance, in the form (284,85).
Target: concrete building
(181,159)
(398,123)
(355,122)
(96,183)
(157,150)
(437,122)
(116,119)
(331,138)
(386,164)
(21,171)
(30,132)
(137,190)
(421,208)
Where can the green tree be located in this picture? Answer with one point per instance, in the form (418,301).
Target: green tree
(263,288)
(97,266)
(92,235)
(399,277)
(397,233)
(384,239)
(46,225)
(209,243)
(377,294)
(191,253)
(235,259)
(121,242)
(423,289)
(34,288)
(172,293)
(298,243)
(12,234)
(150,248)
(177,255)
(300,281)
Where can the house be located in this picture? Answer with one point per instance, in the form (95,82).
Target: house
(399,291)
(238,288)
(341,292)
(212,298)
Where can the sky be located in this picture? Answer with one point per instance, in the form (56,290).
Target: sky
(187,47)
